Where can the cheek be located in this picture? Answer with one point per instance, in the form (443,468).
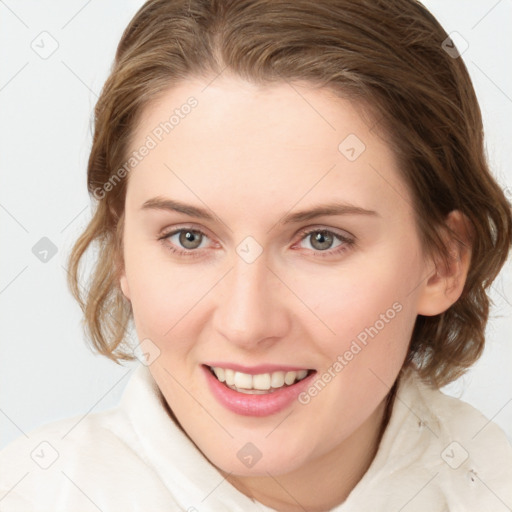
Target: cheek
(357,301)
(371,311)
(367,306)
(161,294)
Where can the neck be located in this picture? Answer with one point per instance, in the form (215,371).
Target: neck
(327,480)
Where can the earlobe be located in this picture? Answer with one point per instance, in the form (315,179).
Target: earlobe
(123,282)
(446,282)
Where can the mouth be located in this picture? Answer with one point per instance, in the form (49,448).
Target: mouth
(258,383)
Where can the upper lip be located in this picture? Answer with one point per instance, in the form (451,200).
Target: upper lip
(258,369)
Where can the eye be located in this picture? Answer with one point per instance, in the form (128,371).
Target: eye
(184,241)
(325,241)
(321,240)
(188,238)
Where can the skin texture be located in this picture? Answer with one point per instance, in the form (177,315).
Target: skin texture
(251,154)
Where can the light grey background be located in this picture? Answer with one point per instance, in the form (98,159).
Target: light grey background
(46,103)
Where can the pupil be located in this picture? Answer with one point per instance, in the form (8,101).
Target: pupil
(322,240)
(190,239)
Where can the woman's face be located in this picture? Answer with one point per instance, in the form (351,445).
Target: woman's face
(267,230)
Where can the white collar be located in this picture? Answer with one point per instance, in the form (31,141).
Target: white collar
(437,453)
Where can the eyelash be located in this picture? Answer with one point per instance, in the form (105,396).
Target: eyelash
(346,244)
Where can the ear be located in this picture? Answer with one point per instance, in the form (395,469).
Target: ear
(123,282)
(118,255)
(121,272)
(444,286)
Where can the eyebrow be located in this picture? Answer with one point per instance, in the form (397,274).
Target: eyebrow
(335,208)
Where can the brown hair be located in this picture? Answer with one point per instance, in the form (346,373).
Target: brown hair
(388,54)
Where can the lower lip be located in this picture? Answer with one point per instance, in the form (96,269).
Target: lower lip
(255,405)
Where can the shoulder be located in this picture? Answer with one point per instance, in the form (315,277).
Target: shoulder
(68,437)
(70,463)
(437,453)
(475,454)
(481,440)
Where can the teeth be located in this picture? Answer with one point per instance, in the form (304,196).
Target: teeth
(261,382)
(221,374)
(243,380)
(289,378)
(277,380)
(301,374)
(229,374)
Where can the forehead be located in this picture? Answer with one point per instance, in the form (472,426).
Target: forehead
(262,147)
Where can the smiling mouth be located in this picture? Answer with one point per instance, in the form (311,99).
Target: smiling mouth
(260,384)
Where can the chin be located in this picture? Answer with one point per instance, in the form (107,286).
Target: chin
(257,458)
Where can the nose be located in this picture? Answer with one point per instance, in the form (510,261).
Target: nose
(252,305)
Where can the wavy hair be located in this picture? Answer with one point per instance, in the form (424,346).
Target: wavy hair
(390,55)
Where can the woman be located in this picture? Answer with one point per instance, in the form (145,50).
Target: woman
(294,207)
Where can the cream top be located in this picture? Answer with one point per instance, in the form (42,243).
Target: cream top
(437,454)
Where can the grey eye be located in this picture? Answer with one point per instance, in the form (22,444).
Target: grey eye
(321,240)
(190,239)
